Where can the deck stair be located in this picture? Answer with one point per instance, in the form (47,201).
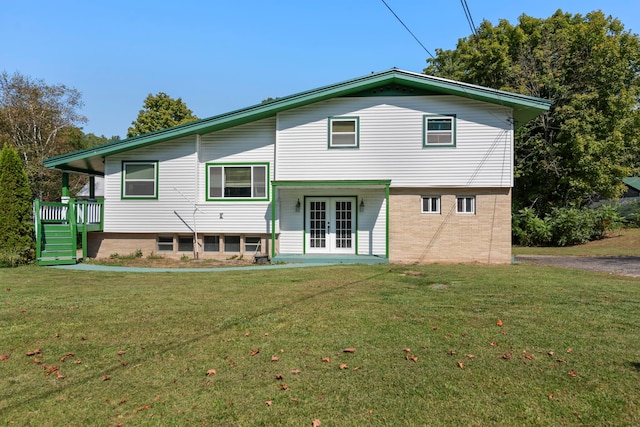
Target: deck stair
(58,244)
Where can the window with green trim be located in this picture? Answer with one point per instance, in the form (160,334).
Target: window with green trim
(237,182)
(140,180)
(439,131)
(343,132)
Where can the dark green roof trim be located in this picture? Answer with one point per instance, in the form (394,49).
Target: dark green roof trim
(524,107)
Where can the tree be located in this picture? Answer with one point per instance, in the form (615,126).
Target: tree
(37,119)
(16,241)
(160,112)
(590,67)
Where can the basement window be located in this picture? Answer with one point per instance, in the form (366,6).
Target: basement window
(431,204)
(165,243)
(212,243)
(232,243)
(466,204)
(185,243)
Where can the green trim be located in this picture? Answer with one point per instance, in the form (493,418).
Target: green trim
(454,125)
(90,160)
(387,223)
(330,121)
(273,221)
(238,199)
(65,184)
(156,181)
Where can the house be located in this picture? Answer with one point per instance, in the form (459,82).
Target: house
(404,167)
(632,184)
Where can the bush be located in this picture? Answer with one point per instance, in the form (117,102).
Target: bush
(564,226)
(630,213)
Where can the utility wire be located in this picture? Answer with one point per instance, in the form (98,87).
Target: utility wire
(407,28)
(467,13)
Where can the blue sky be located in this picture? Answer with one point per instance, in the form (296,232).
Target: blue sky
(219,56)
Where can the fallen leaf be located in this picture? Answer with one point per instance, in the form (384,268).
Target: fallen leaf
(550,353)
(77,362)
(278,376)
(343,366)
(34,352)
(451,352)
(349,350)
(357,368)
(124,363)
(121,352)
(316,423)
(4,356)
(65,357)
(254,352)
(284,386)
(295,371)
(460,365)
(142,408)
(59,375)
(106,378)
(266,334)
(506,356)
(407,350)
(246,334)
(36,360)
(414,359)
(572,373)
(493,343)
(269,402)
(211,372)
(569,350)
(471,356)
(550,396)
(326,359)
(528,356)
(434,328)
(274,358)
(499,322)
(7,289)
(123,401)
(560,360)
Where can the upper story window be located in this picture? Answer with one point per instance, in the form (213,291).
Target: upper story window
(344,132)
(439,131)
(237,181)
(466,204)
(140,180)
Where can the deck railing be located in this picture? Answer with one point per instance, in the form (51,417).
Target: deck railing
(86,212)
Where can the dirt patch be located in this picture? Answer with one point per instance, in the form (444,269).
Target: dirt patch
(622,265)
(172,263)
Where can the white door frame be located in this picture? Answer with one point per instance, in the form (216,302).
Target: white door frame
(330,224)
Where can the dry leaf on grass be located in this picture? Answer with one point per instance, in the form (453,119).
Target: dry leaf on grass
(499,322)
(326,359)
(34,352)
(106,378)
(349,350)
(343,366)
(572,373)
(254,352)
(471,356)
(274,358)
(269,402)
(278,376)
(460,365)
(5,356)
(283,387)
(316,423)
(211,372)
(295,371)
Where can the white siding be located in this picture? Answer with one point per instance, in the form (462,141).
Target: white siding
(391,143)
(180,168)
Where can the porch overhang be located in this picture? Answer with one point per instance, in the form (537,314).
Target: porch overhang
(310,184)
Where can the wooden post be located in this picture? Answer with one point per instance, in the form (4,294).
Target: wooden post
(92,187)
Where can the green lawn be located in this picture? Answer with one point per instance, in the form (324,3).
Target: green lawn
(567,353)
(625,242)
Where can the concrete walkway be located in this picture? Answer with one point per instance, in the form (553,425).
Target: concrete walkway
(119,269)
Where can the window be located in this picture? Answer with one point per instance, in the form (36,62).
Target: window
(237,182)
(251,244)
(212,243)
(343,132)
(185,243)
(232,243)
(165,243)
(466,204)
(431,204)
(139,180)
(439,131)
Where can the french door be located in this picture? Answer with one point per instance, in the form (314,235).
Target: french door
(330,225)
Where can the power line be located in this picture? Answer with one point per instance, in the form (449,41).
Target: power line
(407,28)
(467,13)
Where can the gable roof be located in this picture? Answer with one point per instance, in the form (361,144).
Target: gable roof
(525,108)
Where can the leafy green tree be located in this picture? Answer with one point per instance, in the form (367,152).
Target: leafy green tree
(590,67)
(15,209)
(38,119)
(160,112)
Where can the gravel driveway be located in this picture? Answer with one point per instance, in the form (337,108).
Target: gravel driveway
(622,265)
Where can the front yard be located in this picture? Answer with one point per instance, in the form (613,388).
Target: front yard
(427,345)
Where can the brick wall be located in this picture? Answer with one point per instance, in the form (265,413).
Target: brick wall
(416,237)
